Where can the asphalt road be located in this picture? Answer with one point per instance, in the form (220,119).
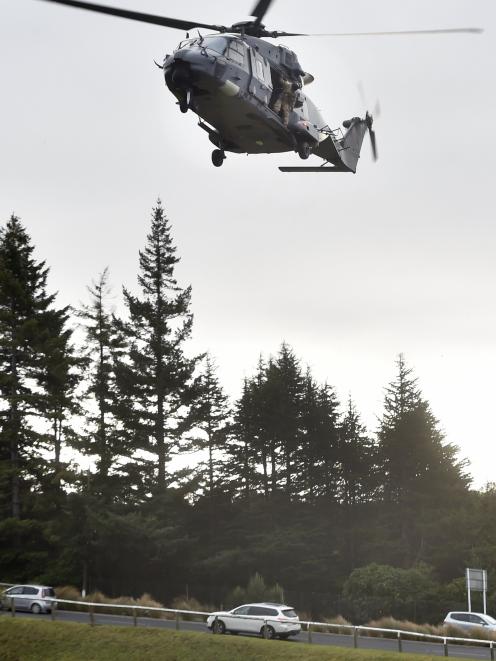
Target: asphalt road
(364,642)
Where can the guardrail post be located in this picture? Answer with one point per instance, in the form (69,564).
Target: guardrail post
(92,616)
(135,618)
(265,630)
(445,647)
(54,610)
(491,650)
(12,606)
(177,621)
(400,642)
(309,629)
(355,637)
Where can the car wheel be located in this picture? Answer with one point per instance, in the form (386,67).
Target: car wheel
(36,609)
(267,632)
(219,627)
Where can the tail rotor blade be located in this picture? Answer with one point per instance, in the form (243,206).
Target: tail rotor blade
(373,144)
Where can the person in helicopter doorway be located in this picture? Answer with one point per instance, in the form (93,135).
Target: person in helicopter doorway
(286,85)
(284,98)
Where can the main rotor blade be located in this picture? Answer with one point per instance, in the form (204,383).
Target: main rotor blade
(260,10)
(138,16)
(386,34)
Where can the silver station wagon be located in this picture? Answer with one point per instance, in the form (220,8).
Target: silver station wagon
(34,598)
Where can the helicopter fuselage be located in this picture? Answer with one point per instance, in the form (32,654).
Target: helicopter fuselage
(230,82)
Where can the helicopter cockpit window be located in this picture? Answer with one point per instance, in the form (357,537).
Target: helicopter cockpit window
(237,52)
(216,43)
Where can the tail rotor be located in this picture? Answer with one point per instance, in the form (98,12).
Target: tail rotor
(369,120)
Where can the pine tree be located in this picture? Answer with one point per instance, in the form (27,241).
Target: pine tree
(245,448)
(357,460)
(318,455)
(419,470)
(103,346)
(155,379)
(281,395)
(34,363)
(210,412)
(414,457)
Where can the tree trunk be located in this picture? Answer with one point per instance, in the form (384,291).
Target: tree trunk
(14,439)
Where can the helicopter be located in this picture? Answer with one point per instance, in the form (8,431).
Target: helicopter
(248,92)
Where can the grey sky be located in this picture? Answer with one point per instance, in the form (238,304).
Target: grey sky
(349,269)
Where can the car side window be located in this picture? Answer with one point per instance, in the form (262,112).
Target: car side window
(262,610)
(243,610)
(13,591)
(28,590)
(460,617)
(477,620)
(255,610)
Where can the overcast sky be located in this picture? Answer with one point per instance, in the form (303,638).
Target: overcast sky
(349,269)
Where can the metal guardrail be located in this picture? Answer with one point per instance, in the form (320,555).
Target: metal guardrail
(311,626)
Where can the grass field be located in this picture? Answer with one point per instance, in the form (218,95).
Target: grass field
(28,640)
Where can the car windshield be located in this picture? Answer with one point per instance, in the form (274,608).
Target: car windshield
(490,619)
(48,592)
(289,612)
(218,44)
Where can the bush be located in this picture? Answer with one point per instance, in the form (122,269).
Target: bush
(72,594)
(191,604)
(435,630)
(256,590)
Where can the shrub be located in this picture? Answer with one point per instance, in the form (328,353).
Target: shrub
(191,604)
(256,590)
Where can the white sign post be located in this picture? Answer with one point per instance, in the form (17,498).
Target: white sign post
(476,580)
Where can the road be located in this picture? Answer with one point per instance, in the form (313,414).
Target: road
(364,642)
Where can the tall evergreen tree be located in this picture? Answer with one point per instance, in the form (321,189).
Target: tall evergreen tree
(318,455)
(210,413)
(154,380)
(102,347)
(34,361)
(357,459)
(419,470)
(415,459)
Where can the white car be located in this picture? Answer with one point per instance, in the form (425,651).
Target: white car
(266,619)
(466,620)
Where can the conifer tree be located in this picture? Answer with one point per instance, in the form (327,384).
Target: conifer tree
(318,455)
(155,379)
(103,346)
(210,412)
(34,362)
(245,449)
(413,454)
(357,459)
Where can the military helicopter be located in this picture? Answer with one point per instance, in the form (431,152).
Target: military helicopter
(248,92)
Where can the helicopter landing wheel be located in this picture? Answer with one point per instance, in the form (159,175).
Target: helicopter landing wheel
(304,150)
(185,103)
(218,157)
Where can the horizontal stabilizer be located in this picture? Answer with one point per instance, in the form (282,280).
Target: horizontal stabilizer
(302,168)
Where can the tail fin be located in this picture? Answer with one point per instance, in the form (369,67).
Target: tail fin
(352,141)
(345,152)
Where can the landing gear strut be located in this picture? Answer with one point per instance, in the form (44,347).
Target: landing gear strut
(218,157)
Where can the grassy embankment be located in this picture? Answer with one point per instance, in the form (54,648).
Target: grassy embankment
(28,640)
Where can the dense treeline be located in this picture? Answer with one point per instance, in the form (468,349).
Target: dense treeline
(286,481)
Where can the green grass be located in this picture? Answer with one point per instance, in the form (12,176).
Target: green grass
(28,640)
